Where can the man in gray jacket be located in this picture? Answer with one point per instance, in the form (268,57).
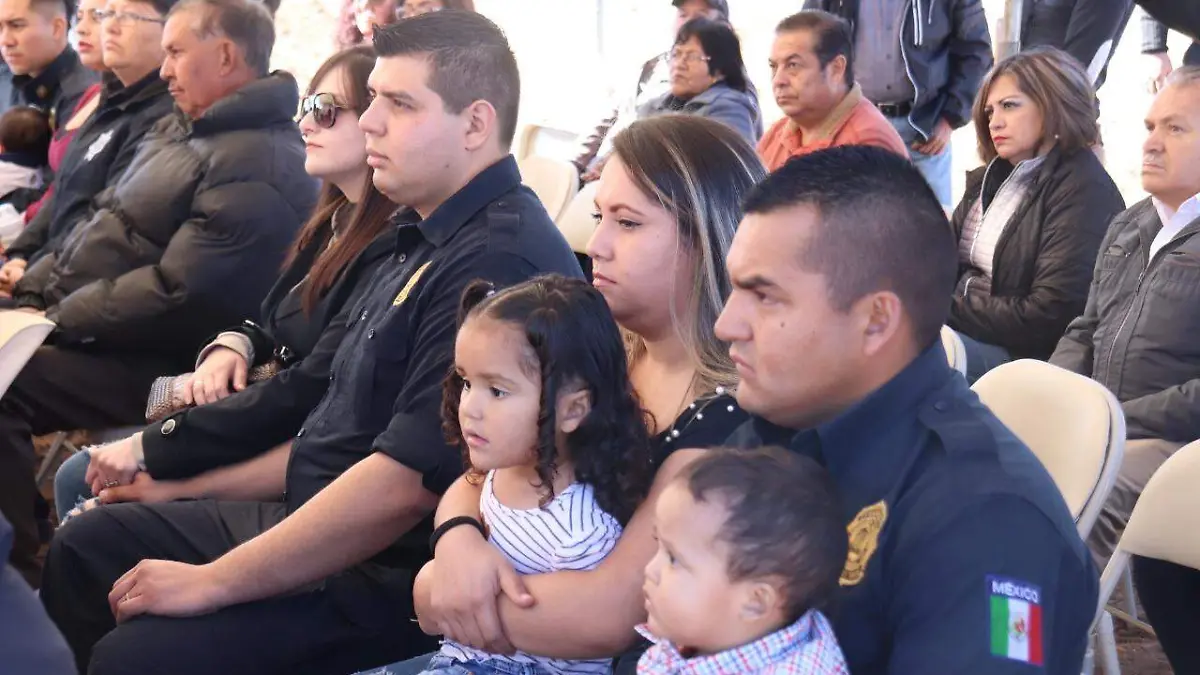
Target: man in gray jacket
(1137,335)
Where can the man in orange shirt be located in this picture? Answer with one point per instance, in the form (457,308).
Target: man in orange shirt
(812,75)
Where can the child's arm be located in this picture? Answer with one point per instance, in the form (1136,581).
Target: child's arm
(578,615)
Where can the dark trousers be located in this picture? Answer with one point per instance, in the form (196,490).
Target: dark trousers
(355,620)
(62,390)
(1170,594)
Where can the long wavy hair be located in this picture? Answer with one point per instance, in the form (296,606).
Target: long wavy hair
(576,343)
(360,223)
(700,170)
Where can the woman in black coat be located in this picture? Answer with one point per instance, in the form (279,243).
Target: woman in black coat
(1030,223)
(255,383)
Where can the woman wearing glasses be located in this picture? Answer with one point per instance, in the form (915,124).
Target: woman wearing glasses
(287,356)
(708,78)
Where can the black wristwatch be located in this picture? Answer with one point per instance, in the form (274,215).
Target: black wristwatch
(450,525)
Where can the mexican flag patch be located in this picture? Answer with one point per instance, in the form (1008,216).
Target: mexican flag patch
(1016,609)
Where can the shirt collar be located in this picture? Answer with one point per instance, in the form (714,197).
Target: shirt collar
(1190,209)
(758,655)
(48,80)
(486,187)
(834,121)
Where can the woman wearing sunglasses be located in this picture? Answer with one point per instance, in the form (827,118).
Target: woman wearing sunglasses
(257,382)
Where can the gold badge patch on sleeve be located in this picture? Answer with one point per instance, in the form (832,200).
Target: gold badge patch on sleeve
(863,532)
(412,281)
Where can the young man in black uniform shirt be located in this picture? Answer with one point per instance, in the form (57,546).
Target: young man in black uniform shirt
(321,583)
(41,68)
(842,272)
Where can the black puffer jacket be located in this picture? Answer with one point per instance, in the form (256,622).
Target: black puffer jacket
(96,158)
(947,50)
(191,238)
(1044,258)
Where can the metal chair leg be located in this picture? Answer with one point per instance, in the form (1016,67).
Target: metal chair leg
(1130,597)
(51,455)
(1108,646)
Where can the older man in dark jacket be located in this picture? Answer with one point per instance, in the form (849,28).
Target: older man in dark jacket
(920,62)
(1137,335)
(187,242)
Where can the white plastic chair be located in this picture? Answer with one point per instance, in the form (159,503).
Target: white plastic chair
(538,139)
(1072,423)
(956,352)
(576,222)
(1162,526)
(555,182)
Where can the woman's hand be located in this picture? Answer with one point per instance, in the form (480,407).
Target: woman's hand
(112,465)
(146,490)
(221,368)
(463,588)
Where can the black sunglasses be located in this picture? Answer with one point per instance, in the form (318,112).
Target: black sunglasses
(324,109)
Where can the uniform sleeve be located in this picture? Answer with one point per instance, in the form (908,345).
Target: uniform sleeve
(993,589)
(414,435)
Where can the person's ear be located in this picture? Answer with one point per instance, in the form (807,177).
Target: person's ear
(481,121)
(880,316)
(835,71)
(59,26)
(760,600)
(228,56)
(573,407)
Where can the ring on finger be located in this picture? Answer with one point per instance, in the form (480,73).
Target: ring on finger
(111,483)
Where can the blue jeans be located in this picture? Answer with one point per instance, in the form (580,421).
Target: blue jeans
(982,357)
(436,664)
(70,488)
(935,168)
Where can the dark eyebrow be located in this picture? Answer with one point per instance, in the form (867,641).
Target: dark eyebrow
(755,282)
(622,206)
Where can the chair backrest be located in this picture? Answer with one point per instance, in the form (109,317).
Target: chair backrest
(1072,424)
(576,223)
(21,334)
(536,139)
(555,182)
(956,352)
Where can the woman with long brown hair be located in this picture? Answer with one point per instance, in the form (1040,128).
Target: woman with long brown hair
(255,383)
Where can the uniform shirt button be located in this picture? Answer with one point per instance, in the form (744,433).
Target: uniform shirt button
(300,434)
(371,334)
(168,427)
(331,377)
(402,258)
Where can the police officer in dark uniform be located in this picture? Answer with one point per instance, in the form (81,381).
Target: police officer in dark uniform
(322,582)
(41,68)
(963,555)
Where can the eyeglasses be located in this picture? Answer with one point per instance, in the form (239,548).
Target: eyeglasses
(324,109)
(125,18)
(687,58)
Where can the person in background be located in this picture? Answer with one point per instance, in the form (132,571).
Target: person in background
(411,8)
(29,642)
(88,44)
(1154,47)
(750,548)
(672,192)
(708,79)
(1088,30)
(812,77)
(1136,335)
(1030,223)
(255,383)
(46,71)
(185,242)
(329,571)
(24,142)
(654,80)
(920,62)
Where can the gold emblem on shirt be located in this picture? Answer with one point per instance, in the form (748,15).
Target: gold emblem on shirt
(412,281)
(863,532)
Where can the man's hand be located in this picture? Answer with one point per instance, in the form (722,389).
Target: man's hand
(1158,67)
(146,490)
(112,465)
(937,142)
(221,368)
(166,588)
(469,575)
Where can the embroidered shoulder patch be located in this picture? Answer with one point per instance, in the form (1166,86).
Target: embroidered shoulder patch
(863,533)
(1016,620)
(408,286)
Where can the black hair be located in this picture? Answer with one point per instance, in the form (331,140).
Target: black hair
(721,46)
(783,521)
(26,130)
(67,6)
(833,35)
(573,341)
(469,60)
(880,227)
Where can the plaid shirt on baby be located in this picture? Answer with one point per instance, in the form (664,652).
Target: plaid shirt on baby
(806,647)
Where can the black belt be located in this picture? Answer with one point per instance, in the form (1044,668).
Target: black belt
(895,109)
